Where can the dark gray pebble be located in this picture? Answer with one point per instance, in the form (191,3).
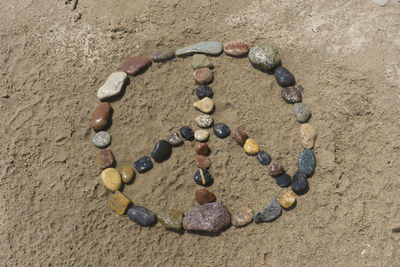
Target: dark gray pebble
(143,164)
(162,151)
(187,133)
(203,177)
(221,130)
(270,213)
(141,215)
(299,183)
(301,112)
(283,180)
(203,91)
(284,77)
(306,162)
(264,158)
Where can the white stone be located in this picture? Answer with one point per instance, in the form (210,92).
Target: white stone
(112,86)
(201,135)
(205,105)
(381,2)
(204,121)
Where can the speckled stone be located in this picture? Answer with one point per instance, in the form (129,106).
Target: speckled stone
(143,164)
(141,215)
(306,163)
(205,105)
(276,169)
(201,135)
(203,177)
(270,213)
(307,135)
(201,61)
(264,57)
(162,151)
(202,162)
(112,86)
(204,121)
(202,149)
(127,174)
(208,48)
(101,116)
(299,183)
(203,76)
(171,219)
(203,91)
(284,77)
(111,179)
(287,199)
(210,217)
(101,139)
(175,140)
(204,196)
(135,65)
(283,180)
(301,112)
(105,158)
(264,158)
(236,48)
(291,95)
(221,130)
(242,217)
(187,133)
(251,147)
(163,54)
(119,203)
(239,136)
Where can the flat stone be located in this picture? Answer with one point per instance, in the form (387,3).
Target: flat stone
(270,213)
(127,174)
(143,164)
(202,149)
(163,54)
(162,151)
(306,163)
(210,217)
(141,215)
(171,219)
(221,130)
(134,65)
(111,179)
(203,76)
(287,199)
(251,147)
(284,77)
(202,162)
(204,196)
(307,135)
(119,203)
(208,48)
(381,2)
(201,61)
(175,140)
(301,112)
(299,183)
(242,217)
(187,133)
(276,169)
(101,139)
(201,135)
(203,177)
(239,136)
(105,158)
(101,116)
(112,86)
(283,180)
(264,57)
(205,105)
(203,91)
(236,48)
(264,158)
(291,95)
(204,121)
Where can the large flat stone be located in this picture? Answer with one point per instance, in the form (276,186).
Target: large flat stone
(209,48)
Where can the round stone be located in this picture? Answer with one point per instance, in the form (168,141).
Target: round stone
(284,77)
(236,48)
(210,217)
(301,112)
(270,213)
(283,180)
(127,174)
(306,163)
(143,164)
(291,95)
(101,116)
(134,65)
(307,135)
(187,133)
(203,177)
(264,57)
(204,196)
(163,54)
(171,219)
(202,149)
(141,215)
(201,135)
(204,121)
(287,199)
(203,76)
(162,151)
(101,139)
(201,61)
(175,140)
(205,105)
(203,91)
(276,169)
(202,162)
(251,147)
(111,179)
(112,86)
(239,136)
(264,158)
(105,158)
(242,217)
(299,183)
(221,130)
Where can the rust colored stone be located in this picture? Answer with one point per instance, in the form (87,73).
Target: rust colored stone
(203,76)
(105,158)
(276,169)
(239,136)
(133,65)
(101,116)
(204,196)
(202,149)
(236,48)
(202,162)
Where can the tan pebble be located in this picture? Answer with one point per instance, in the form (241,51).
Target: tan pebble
(127,174)
(119,203)
(201,135)
(111,179)
(287,199)
(205,105)
(251,147)
(242,217)
(307,135)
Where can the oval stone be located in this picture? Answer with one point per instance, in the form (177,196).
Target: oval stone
(306,163)
(221,130)
(143,164)
(203,91)
(300,183)
(202,162)
(204,196)
(251,147)
(270,213)
(201,61)
(276,169)
(163,54)
(127,174)
(111,179)
(162,151)
(283,180)
(242,217)
(112,86)
(171,219)
(209,48)
(202,149)
(141,215)
(101,139)
(284,77)
(287,199)
(134,65)
(101,116)
(264,158)
(203,177)
(187,133)
(236,48)
(301,112)
(175,140)
(201,135)
(210,217)
(239,136)
(291,95)
(105,158)
(264,57)
(204,121)
(307,135)
(205,105)
(203,76)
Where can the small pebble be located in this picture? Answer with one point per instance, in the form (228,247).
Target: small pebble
(306,163)
(307,135)
(187,133)
(163,54)
(112,86)
(284,77)
(239,136)
(119,203)
(171,219)
(111,179)
(270,213)
(242,217)
(221,130)
(251,147)
(204,121)
(141,215)
(127,174)
(162,151)
(101,116)
(264,158)
(202,162)
(291,95)
(210,217)
(204,196)
(236,48)
(203,91)
(287,199)
(209,48)
(143,164)
(203,76)
(201,61)
(283,180)
(205,105)
(175,140)
(381,2)
(301,112)
(276,169)
(105,158)
(299,183)
(101,139)
(264,57)
(201,135)
(134,65)
(202,149)
(203,177)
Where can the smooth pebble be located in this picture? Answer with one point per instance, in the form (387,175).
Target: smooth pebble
(105,158)
(135,65)
(301,112)
(203,76)
(236,48)
(239,136)
(251,147)
(202,149)
(307,135)
(201,61)
(291,95)
(300,183)
(111,179)
(101,116)
(141,215)
(112,86)
(306,163)
(163,54)
(204,196)
(202,162)
(101,139)
(221,130)
(127,174)
(143,164)
(283,180)
(264,158)
(201,135)
(203,91)
(187,133)
(284,77)
(209,48)
(205,105)
(270,213)
(162,151)
(287,199)
(242,217)
(276,169)
(203,177)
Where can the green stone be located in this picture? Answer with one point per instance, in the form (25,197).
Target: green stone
(171,219)
(201,61)
(209,48)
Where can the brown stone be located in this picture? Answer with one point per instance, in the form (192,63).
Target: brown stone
(291,95)
(134,65)
(276,169)
(203,76)
(242,217)
(119,203)
(127,174)
(105,158)
(239,136)
(204,196)
(202,149)
(287,199)
(236,48)
(202,162)
(307,135)
(101,116)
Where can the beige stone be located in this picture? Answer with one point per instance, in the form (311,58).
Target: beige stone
(119,203)
(251,147)
(242,217)
(111,179)
(307,135)
(287,199)
(201,135)
(205,105)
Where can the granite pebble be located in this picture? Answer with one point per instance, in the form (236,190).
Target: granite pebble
(143,164)
(141,215)
(270,213)
(105,158)
(276,169)
(284,77)
(175,140)
(301,112)
(300,183)
(236,48)
(101,139)
(291,95)
(210,217)
(203,76)
(287,199)
(204,121)
(306,163)
(242,217)
(264,57)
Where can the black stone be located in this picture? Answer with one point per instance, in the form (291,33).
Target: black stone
(284,77)
(141,215)
(187,133)
(162,151)
(221,130)
(264,158)
(300,183)
(203,177)
(283,180)
(204,91)
(306,162)
(143,164)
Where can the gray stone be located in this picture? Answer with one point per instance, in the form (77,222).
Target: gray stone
(306,162)
(112,86)
(301,112)
(209,48)
(381,2)
(264,57)
(163,54)
(175,140)
(270,213)
(101,139)
(210,217)
(141,215)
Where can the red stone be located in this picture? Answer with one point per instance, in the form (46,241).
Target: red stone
(100,117)
(276,169)
(202,149)
(105,158)
(204,196)
(202,162)
(133,65)
(236,48)
(239,136)
(203,76)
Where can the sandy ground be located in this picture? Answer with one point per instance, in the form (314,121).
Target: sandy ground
(55,211)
